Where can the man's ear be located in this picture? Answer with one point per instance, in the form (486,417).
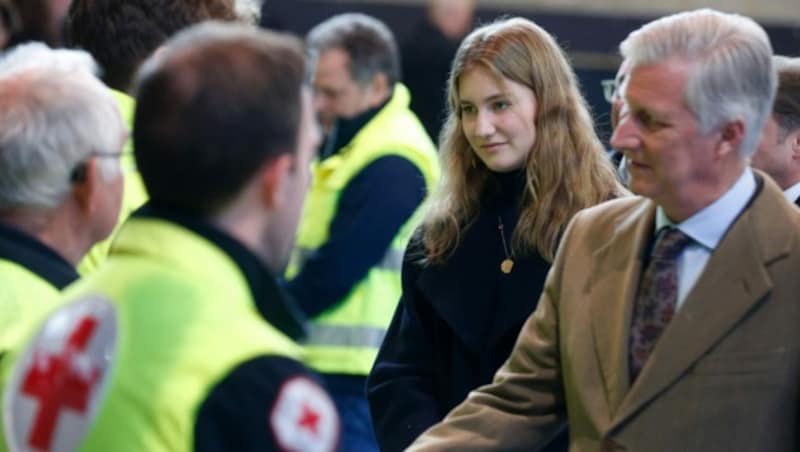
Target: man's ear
(793,139)
(87,186)
(272,177)
(378,89)
(731,135)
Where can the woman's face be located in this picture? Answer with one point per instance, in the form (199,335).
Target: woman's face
(497,117)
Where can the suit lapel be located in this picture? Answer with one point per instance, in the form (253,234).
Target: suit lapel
(615,275)
(723,294)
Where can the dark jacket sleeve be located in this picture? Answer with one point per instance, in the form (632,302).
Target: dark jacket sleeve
(371,210)
(400,386)
(267,404)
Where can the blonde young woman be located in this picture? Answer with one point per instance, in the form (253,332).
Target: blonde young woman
(519,159)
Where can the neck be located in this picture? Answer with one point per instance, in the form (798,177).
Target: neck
(694,199)
(52,228)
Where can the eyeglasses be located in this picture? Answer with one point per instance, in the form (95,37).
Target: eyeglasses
(610,89)
(78,173)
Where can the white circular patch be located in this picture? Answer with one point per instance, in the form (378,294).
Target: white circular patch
(58,380)
(304,417)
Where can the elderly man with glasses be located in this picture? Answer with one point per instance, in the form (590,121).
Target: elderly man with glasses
(61,136)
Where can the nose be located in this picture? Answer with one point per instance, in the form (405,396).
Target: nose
(484,124)
(624,136)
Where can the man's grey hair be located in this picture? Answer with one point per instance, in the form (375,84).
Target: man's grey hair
(733,76)
(54,115)
(368,42)
(248,11)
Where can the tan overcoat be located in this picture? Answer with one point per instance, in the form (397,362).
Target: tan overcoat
(723,376)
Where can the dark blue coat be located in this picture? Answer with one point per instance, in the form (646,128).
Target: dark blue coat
(456,323)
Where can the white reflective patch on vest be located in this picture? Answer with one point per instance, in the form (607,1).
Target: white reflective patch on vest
(304,417)
(59,380)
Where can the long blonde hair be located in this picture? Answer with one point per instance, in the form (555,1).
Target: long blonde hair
(566,170)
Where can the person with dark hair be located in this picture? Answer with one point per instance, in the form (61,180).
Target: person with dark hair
(183,340)
(668,321)
(120,35)
(778,153)
(34,20)
(520,157)
(373,173)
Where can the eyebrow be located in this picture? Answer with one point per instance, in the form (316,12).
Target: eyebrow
(491,98)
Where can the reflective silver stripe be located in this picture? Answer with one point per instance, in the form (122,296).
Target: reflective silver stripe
(392,260)
(301,255)
(345,336)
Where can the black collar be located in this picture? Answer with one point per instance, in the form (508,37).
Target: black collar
(27,251)
(272,302)
(344,130)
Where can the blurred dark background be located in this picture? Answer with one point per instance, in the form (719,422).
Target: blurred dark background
(590,40)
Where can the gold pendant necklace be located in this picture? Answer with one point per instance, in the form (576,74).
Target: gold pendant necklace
(508,263)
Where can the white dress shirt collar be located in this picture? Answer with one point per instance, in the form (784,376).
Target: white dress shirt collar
(707,226)
(792,193)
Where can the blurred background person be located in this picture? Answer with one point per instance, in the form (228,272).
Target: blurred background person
(520,158)
(61,136)
(121,35)
(9,22)
(183,340)
(35,20)
(611,90)
(778,153)
(427,55)
(373,173)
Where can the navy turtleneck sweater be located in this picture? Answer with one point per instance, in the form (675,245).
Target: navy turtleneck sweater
(371,210)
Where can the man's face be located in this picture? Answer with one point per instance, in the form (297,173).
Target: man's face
(295,185)
(670,159)
(774,155)
(336,94)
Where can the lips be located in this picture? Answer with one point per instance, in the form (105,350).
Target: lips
(636,165)
(492,146)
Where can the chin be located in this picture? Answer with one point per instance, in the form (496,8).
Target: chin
(503,167)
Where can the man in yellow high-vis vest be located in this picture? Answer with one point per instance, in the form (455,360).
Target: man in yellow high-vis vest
(183,339)
(61,137)
(372,175)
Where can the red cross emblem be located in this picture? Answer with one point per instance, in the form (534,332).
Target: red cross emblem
(304,417)
(309,419)
(58,382)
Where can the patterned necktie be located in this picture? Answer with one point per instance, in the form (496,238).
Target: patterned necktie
(655,301)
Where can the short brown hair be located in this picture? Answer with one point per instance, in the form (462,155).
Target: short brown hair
(121,34)
(217,104)
(786,108)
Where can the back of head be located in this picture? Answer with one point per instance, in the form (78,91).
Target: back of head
(212,108)
(367,41)
(9,22)
(732,76)
(786,108)
(54,115)
(33,20)
(122,34)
